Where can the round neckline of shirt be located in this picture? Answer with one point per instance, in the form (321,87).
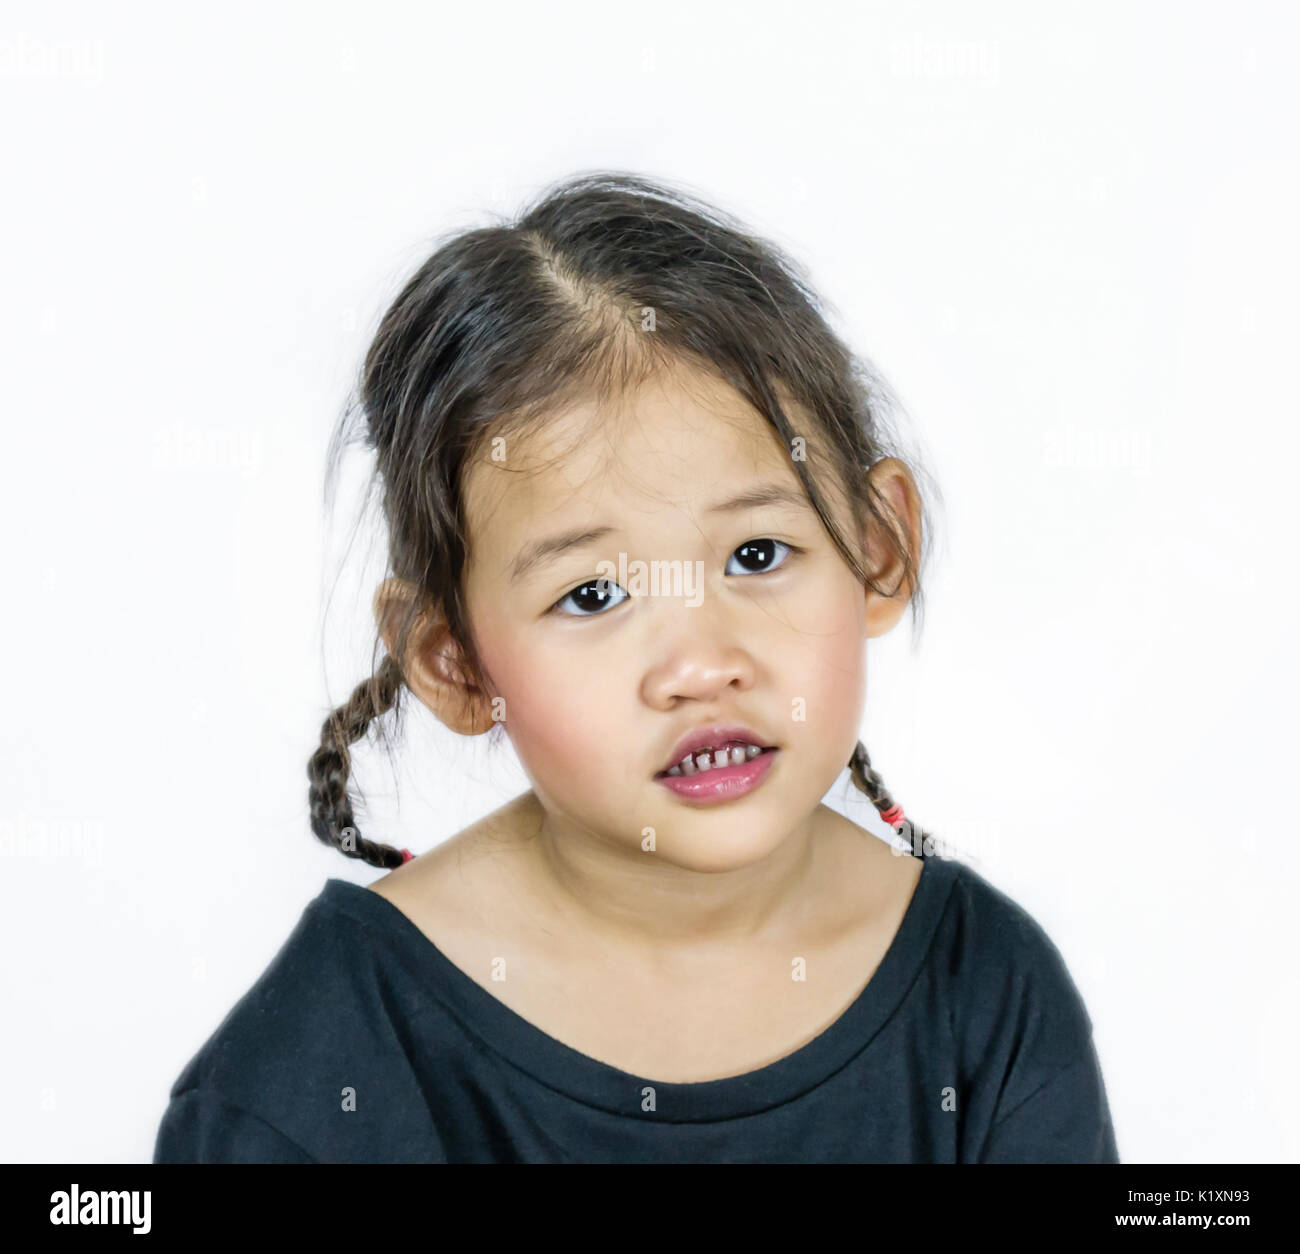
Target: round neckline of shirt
(595,1083)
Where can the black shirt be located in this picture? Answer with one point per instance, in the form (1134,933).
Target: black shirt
(362,1042)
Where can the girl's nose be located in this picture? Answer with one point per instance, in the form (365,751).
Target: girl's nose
(699,662)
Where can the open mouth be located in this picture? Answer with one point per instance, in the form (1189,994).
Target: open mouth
(716,758)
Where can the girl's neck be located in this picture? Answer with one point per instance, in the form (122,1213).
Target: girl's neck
(624,900)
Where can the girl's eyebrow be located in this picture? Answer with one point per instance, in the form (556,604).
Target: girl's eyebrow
(540,552)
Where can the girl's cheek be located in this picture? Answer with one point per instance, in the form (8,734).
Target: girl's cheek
(550,718)
(831,666)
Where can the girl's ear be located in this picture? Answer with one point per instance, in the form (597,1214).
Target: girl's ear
(901,501)
(433,667)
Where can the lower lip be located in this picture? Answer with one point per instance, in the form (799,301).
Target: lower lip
(721,783)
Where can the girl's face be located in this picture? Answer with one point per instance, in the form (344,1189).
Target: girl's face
(598,689)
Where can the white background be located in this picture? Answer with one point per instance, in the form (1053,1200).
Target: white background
(1066,233)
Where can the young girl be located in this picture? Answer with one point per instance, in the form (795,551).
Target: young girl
(642,521)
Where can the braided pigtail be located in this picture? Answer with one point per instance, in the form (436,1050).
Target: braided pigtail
(331,764)
(868,780)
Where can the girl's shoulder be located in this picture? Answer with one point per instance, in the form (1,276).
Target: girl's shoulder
(1013,1002)
(986,956)
(326,1014)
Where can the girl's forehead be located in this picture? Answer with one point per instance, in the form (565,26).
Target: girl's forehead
(665,444)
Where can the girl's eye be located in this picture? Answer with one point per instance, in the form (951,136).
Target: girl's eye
(757,551)
(597,595)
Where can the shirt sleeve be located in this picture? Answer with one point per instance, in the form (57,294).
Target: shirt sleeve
(1065,1120)
(200,1127)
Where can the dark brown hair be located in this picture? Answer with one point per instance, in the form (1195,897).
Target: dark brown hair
(505,323)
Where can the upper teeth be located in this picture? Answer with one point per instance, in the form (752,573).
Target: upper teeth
(711,759)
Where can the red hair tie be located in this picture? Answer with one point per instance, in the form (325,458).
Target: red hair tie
(893,816)
(407,855)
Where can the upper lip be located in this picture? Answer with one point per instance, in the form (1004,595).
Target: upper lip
(712,737)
